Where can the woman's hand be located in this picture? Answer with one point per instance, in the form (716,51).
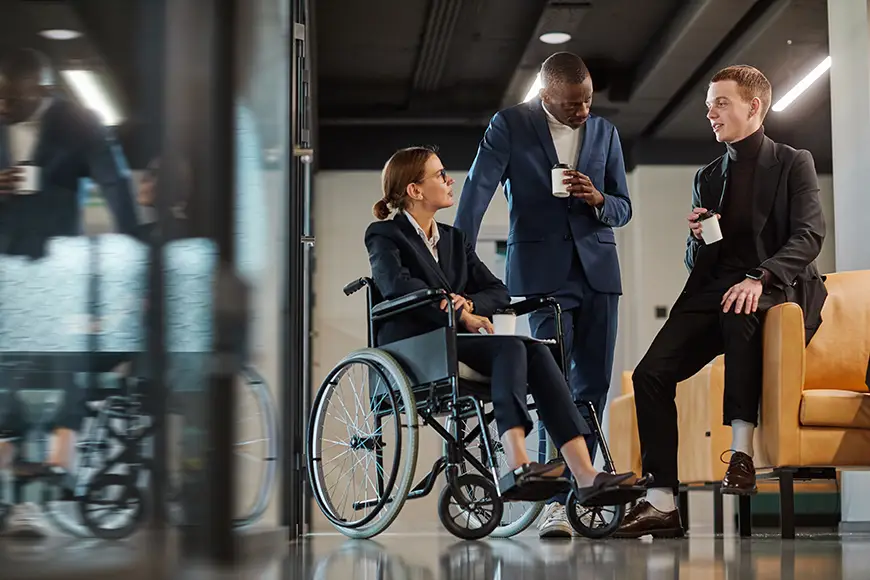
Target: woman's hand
(473,323)
(458,302)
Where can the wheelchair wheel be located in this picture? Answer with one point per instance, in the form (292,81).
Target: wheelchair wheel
(475,512)
(256,447)
(113,506)
(594,522)
(362,443)
(517,516)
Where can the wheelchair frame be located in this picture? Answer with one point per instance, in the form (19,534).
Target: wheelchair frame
(436,387)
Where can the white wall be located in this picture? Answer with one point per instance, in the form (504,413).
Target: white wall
(650,248)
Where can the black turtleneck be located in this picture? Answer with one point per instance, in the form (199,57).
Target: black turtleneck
(738,253)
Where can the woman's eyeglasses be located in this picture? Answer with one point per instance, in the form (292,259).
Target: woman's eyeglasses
(442,174)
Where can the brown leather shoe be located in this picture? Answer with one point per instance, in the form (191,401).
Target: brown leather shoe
(740,477)
(644,520)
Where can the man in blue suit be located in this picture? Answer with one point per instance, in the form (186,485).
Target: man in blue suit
(66,143)
(559,246)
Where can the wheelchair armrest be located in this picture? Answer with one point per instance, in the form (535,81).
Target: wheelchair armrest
(529,305)
(407,302)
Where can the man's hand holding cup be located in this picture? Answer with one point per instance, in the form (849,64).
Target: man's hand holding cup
(698,218)
(10,180)
(580,186)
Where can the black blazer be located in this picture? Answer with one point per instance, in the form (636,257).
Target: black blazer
(788,225)
(401,264)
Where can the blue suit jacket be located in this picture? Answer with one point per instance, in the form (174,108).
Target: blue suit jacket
(72,144)
(517,150)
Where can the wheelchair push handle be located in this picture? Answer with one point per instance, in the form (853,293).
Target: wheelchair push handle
(356,286)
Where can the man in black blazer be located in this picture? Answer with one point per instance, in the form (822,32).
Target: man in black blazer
(66,142)
(766,199)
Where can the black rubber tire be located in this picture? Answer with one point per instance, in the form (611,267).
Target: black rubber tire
(131,492)
(491,495)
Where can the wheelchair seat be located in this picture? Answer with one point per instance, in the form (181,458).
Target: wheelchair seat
(466,373)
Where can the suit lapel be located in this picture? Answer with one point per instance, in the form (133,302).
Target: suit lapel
(445,256)
(420,248)
(5,157)
(714,193)
(589,133)
(538,119)
(765,184)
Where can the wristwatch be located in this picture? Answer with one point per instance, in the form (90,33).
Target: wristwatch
(756,274)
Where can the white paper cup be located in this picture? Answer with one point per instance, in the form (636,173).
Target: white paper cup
(557,177)
(30,182)
(711,231)
(505,323)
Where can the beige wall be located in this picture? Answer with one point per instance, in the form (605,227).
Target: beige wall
(651,254)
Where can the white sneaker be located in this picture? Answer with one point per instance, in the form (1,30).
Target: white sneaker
(26,521)
(554,523)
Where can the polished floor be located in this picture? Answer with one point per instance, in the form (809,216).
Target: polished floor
(441,557)
(437,556)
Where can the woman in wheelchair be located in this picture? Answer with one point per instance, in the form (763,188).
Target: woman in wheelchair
(412,252)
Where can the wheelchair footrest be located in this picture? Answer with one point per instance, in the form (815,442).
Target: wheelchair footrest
(531,488)
(620,495)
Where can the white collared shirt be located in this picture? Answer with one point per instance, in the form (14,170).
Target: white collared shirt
(431,243)
(23,136)
(566,140)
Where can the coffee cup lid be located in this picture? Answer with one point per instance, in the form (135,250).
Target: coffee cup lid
(706,215)
(561,166)
(508,311)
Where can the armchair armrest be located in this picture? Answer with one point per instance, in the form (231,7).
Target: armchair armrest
(408,302)
(529,305)
(784,372)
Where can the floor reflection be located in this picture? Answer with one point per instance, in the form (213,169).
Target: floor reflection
(433,557)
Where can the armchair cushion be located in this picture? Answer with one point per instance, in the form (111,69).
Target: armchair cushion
(837,356)
(834,408)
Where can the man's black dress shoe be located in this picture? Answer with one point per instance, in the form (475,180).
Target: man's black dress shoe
(740,477)
(644,520)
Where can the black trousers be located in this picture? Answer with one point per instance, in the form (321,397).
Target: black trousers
(517,369)
(696,332)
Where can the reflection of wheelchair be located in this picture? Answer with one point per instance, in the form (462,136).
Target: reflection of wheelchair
(362,445)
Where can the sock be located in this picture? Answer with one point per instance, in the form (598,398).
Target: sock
(661,498)
(741,436)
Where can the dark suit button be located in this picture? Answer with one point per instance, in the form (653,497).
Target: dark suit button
(568,237)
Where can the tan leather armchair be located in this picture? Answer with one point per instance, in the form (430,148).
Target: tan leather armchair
(815,409)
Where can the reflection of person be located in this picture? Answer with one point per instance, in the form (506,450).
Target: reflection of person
(412,252)
(563,247)
(66,143)
(772,226)
(25,520)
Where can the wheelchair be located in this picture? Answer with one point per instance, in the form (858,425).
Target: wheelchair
(376,429)
(108,488)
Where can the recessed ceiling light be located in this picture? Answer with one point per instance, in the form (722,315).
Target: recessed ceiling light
(555,37)
(60,34)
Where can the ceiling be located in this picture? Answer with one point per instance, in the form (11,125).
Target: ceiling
(117,42)
(394,73)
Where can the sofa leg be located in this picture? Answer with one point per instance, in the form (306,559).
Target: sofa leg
(786,504)
(684,509)
(718,510)
(745,516)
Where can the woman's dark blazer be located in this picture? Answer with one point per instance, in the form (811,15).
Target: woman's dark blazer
(401,264)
